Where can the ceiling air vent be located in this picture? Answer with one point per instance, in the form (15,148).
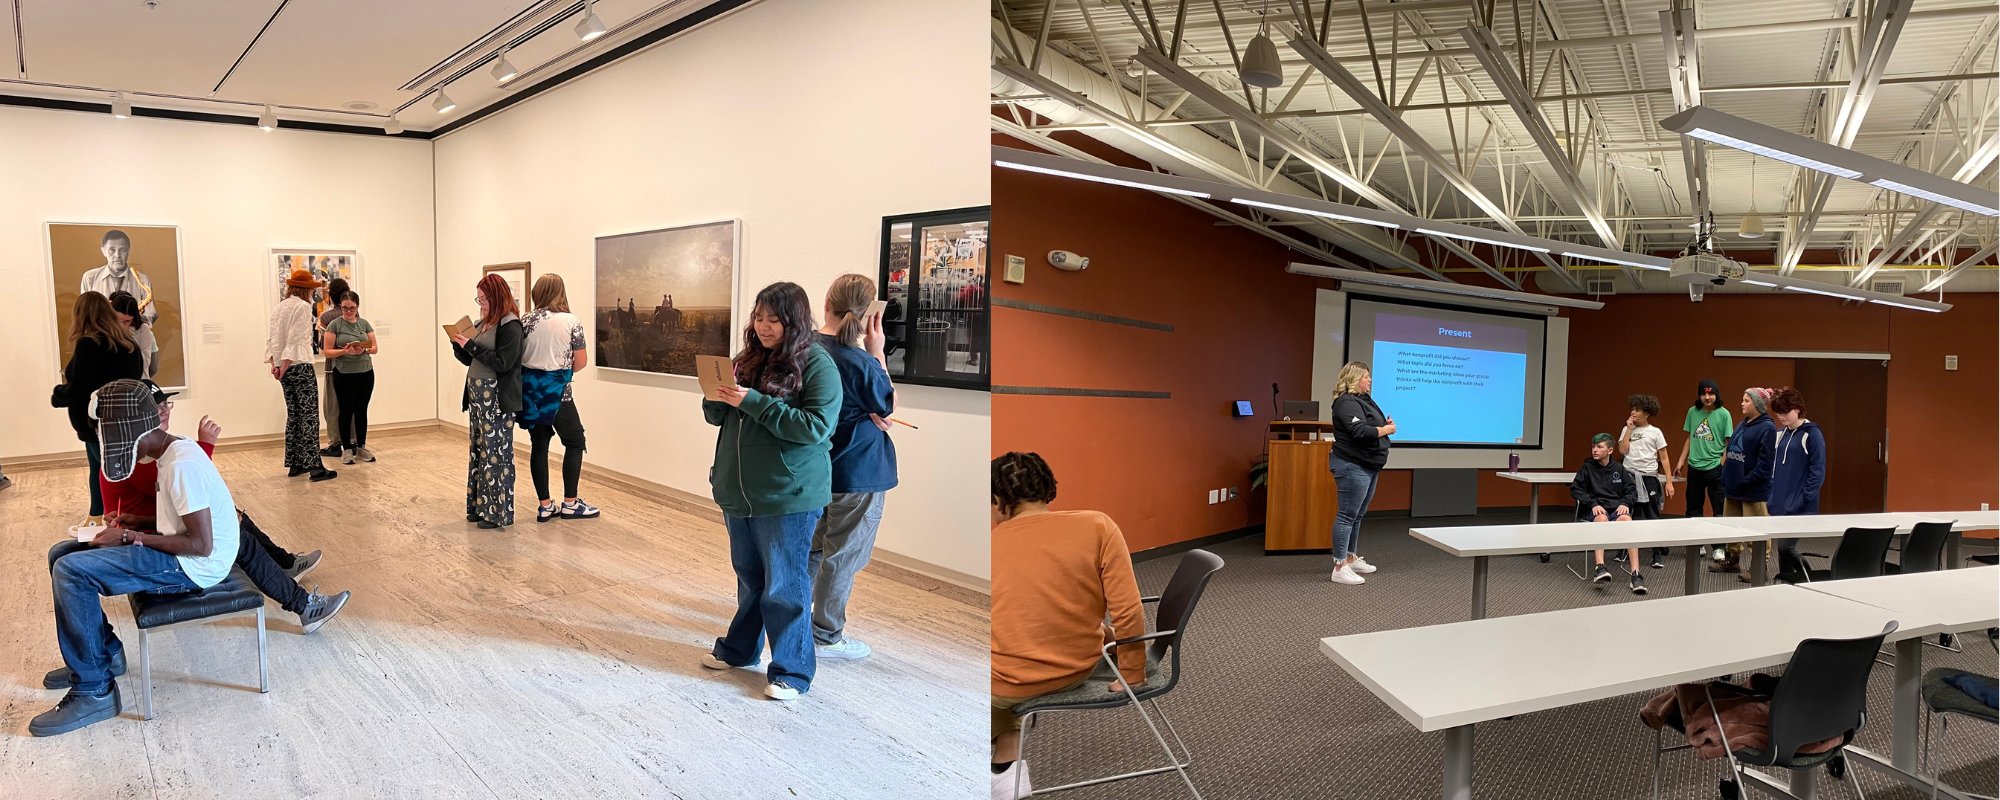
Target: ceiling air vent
(1600,286)
(1886,285)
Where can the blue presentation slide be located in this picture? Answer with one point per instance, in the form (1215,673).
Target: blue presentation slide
(1441,393)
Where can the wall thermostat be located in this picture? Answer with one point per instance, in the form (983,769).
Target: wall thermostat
(1066,260)
(1017,270)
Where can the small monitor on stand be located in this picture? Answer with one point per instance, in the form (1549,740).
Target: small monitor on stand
(1301,410)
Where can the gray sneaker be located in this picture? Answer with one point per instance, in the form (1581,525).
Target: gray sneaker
(347,456)
(5,481)
(364,454)
(319,609)
(848,648)
(76,711)
(58,678)
(303,564)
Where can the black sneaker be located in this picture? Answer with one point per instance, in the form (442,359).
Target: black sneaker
(1638,584)
(297,471)
(76,711)
(331,451)
(485,525)
(303,564)
(1658,562)
(1601,575)
(324,474)
(58,678)
(319,609)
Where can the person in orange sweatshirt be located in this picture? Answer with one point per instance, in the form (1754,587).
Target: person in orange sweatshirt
(1057,575)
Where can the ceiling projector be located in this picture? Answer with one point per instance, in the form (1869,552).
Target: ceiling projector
(1710,268)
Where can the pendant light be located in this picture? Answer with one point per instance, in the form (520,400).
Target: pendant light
(1753,223)
(1260,59)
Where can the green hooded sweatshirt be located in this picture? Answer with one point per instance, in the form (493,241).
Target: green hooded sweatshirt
(771,456)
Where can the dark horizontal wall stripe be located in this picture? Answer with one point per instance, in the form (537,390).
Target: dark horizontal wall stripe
(1062,392)
(1089,315)
(196,116)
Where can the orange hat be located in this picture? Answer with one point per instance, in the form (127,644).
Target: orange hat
(303,278)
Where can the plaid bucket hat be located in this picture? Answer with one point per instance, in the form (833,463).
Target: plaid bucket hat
(125,410)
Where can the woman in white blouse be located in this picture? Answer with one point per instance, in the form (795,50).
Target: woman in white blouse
(289,351)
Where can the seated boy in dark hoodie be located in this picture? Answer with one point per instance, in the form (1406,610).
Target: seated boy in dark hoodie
(1604,491)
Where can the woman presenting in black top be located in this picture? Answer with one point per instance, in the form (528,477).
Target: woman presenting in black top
(102,350)
(1360,448)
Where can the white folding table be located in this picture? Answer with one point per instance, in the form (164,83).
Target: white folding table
(1946,601)
(1813,525)
(1535,480)
(1480,542)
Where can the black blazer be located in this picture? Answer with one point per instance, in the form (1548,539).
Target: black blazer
(90,367)
(504,358)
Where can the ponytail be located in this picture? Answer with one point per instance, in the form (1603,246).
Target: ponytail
(847,305)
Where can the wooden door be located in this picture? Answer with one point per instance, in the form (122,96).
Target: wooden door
(1849,400)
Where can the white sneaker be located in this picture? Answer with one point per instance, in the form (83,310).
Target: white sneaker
(779,691)
(1347,576)
(1003,784)
(1361,565)
(848,648)
(711,662)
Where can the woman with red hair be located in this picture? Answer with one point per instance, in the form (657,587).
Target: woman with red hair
(492,356)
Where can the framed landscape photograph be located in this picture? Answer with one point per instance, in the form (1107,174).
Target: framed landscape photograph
(935,277)
(666,296)
(141,260)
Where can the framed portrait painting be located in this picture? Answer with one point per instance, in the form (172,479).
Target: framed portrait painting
(143,261)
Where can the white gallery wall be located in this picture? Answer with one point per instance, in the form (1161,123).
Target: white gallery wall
(236,193)
(808,121)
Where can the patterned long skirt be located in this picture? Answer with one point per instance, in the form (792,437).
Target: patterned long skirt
(489,475)
(301,417)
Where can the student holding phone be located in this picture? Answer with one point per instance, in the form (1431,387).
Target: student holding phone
(348,344)
(863,458)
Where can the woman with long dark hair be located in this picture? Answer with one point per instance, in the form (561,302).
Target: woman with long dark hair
(555,350)
(288,348)
(127,308)
(101,351)
(492,356)
(773,478)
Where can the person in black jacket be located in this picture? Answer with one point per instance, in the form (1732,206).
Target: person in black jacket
(1604,492)
(492,397)
(1360,447)
(102,350)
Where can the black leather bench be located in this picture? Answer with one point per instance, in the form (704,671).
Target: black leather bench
(233,597)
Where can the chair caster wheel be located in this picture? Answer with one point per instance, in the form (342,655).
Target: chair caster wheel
(1727,790)
(1545,558)
(1837,767)
(1945,639)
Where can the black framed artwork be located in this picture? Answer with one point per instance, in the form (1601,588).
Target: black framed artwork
(935,278)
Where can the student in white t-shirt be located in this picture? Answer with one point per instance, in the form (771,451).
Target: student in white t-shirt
(1644,448)
(554,351)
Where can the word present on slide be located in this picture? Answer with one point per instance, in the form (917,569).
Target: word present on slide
(1451,381)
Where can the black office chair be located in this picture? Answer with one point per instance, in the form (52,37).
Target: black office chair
(1941,700)
(1822,694)
(1860,555)
(1924,551)
(1176,609)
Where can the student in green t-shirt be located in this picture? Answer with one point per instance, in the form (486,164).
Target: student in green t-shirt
(1708,428)
(350,342)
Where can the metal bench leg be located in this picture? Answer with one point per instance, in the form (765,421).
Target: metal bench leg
(263,666)
(145,675)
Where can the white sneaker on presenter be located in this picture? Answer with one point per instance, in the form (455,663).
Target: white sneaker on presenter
(1345,575)
(1360,565)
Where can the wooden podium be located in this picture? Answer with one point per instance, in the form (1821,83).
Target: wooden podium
(1302,500)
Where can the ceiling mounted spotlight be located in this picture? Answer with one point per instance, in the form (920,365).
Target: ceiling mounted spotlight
(268,120)
(395,126)
(443,103)
(591,27)
(503,70)
(120,107)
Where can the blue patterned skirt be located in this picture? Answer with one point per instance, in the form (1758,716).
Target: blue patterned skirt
(542,393)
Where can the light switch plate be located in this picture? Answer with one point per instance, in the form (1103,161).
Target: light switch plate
(1017,270)
(1211,497)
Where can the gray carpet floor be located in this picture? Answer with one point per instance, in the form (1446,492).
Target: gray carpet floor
(1267,716)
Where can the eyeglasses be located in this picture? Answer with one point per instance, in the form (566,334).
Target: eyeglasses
(349,308)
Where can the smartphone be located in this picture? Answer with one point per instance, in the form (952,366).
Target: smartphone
(876,308)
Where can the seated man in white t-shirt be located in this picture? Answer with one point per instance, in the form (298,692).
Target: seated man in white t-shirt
(194,549)
(1647,458)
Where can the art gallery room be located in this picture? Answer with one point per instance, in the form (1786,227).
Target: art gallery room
(1353,320)
(217,165)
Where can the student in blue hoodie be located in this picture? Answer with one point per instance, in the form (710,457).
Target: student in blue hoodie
(1800,468)
(1746,465)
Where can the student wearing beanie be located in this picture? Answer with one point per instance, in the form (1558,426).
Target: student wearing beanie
(1746,465)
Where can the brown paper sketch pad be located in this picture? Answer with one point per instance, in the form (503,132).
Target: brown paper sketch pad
(714,372)
(463,327)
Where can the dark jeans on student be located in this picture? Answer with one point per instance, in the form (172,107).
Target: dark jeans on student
(841,546)
(569,426)
(773,595)
(1704,483)
(96,456)
(354,390)
(261,559)
(1356,485)
(78,580)
(1650,509)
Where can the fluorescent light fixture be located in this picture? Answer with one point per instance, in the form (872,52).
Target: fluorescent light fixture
(1905,305)
(394,126)
(503,70)
(120,107)
(1751,147)
(1095,179)
(443,103)
(268,120)
(1314,212)
(1494,242)
(1936,198)
(1608,260)
(1797,288)
(591,27)
(1439,287)
(1757,283)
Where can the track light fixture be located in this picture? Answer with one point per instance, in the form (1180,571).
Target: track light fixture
(443,103)
(120,107)
(503,70)
(394,126)
(591,27)
(268,120)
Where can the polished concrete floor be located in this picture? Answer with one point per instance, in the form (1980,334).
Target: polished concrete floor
(540,661)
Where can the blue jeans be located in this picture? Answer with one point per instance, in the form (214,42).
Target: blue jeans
(773,595)
(92,452)
(1356,485)
(79,577)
